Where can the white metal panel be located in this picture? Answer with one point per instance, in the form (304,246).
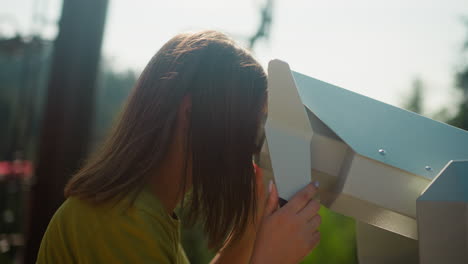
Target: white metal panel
(288,131)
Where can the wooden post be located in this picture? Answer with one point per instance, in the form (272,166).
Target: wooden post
(68,112)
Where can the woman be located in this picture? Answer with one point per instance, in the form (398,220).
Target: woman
(186,136)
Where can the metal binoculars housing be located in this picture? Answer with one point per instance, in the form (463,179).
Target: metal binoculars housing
(402,177)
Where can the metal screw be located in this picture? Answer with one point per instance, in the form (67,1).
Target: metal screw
(428,168)
(382,151)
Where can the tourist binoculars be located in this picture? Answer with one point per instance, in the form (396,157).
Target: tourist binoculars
(402,177)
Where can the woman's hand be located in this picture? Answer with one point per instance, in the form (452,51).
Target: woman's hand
(261,196)
(289,233)
(240,251)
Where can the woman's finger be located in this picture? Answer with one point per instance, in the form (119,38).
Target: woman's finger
(261,195)
(314,239)
(301,198)
(259,181)
(272,202)
(314,223)
(310,210)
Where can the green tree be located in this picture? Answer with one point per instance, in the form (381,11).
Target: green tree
(114,87)
(416,99)
(460,118)
(337,240)
(461,80)
(24,65)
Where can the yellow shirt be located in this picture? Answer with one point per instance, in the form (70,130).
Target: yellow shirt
(82,233)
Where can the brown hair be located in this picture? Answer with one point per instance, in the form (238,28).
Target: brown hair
(227,87)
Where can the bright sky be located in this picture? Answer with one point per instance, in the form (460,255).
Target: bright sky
(372,47)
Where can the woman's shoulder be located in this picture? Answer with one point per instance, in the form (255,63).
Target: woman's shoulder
(84,230)
(74,207)
(67,226)
(144,215)
(72,204)
(79,216)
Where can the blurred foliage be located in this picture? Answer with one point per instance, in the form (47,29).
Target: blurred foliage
(461,79)
(113,88)
(337,240)
(460,118)
(264,28)
(196,245)
(416,98)
(24,67)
